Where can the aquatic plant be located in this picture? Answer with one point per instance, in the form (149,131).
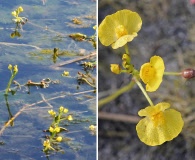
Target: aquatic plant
(55,128)
(14,71)
(18,20)
(161,122)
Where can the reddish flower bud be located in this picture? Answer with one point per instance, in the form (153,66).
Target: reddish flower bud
(188,73)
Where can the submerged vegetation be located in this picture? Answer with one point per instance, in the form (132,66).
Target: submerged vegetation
(58,86)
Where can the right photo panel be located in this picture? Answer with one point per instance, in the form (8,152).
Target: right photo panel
(146,80)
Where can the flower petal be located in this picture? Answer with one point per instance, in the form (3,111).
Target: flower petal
(117,25)
(152,110)
(152,136)
(123,40)
(160,125)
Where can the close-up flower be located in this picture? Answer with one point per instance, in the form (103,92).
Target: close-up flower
(152,73)
(65,73)
(161,124)
(119,28)
(51,129)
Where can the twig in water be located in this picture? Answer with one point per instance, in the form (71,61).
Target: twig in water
(73,60)
(17,44)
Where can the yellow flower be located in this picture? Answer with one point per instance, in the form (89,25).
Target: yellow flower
(20,9)
(57,129)
(92,127)
(47,145)
(10,67)
(65,73)
(15,69)
(14,13)
(59,139)
(160,124)
(52,113)
(115,68)
(152,73)
(65,110)
(119,28)
(61,109)
(51,129)
(70,117)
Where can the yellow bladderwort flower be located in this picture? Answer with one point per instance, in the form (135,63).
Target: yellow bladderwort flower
(14,13)
(15,69)
(115,68)
(10,67)
(92,127)
(20,9)
(51,129)
(119,28)
(152,73)
(70,117)
(52,112)
(61,109)
(57,129)
(65,110)
(161,124)
(47,145)
(59,139)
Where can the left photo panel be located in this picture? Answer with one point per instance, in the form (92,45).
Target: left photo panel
(48,72)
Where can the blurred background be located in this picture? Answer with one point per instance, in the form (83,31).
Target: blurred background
(168,30)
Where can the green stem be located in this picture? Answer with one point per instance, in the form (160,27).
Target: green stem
(172,73)
(143,91)
(9,84)
(116,94)
(127,49)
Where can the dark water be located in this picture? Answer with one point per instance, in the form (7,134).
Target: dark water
(49,24)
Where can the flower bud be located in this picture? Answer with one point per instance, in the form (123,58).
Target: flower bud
(126,58)
(115,68)
(188,73)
